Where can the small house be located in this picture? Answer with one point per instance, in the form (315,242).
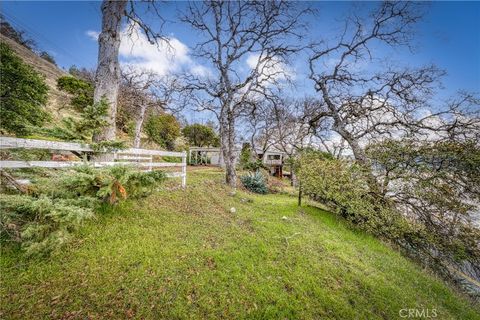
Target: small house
(273,160)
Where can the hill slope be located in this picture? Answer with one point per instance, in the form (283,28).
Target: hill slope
(179,255)
(57,100)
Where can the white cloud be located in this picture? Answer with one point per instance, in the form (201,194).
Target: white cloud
(272,68)
(92,34)
(163,58)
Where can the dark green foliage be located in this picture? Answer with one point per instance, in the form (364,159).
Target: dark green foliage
(437,184)
(440,183)
(42,224)
(125,120)
(245,155)
(81,90)
(109,184)
(171,159)
(200,135)
(254,166)
(25,154)
(92,121)
(249,160)
(163,130)
(343,186)
(58,204)
(254,182)
(23,94)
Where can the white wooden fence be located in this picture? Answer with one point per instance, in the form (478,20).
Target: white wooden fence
(138,157)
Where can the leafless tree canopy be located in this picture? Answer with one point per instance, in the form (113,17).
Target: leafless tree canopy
(232,32)
(143,92)
(392,122)
(360,104)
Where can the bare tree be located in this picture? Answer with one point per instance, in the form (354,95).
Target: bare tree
(107,77)
(261,127)
(135,93)
(143,92)
(292,133)
(412,146)
(232,32)
(350,97)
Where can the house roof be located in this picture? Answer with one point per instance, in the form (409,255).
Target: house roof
(212,149)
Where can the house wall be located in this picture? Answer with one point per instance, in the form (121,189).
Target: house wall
(275,165)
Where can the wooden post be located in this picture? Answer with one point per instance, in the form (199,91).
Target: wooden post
(299,193)
(184,170)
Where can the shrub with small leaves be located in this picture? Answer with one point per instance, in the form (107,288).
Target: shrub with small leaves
(110,184)
(42,224)
(81,90)
(92,120)
(44,220)
(163,130)
(254,182)
(23,92)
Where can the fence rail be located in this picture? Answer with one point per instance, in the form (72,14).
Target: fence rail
(132,156)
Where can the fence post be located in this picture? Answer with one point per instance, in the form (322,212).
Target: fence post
(184,170)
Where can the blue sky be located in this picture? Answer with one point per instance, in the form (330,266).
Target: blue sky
(449,36)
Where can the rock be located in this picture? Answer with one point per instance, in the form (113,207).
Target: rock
(233,210)
(285,218)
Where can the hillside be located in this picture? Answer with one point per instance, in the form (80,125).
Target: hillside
(57,100)
(183,254)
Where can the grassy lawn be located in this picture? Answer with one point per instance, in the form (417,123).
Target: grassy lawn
(183,255)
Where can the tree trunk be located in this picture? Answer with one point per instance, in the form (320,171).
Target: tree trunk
(293,176)
(107,77)
(227,131)
(360,156)
(221,162)
(340,128)
(138,125)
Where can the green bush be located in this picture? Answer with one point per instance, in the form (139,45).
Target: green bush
(254,182)
(81,90)
(439,181)
(245,156)
(163,130)
(42,224)
(254,166)
(342,185)
(110,184)
(24,94)
(43,221)
(92,120)
(200,135)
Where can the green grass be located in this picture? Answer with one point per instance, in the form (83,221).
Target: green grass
(183,255)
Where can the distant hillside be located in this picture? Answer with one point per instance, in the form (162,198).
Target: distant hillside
(58,102)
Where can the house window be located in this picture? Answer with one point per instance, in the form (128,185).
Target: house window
(273,157)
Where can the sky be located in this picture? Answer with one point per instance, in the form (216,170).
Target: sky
(449,37)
